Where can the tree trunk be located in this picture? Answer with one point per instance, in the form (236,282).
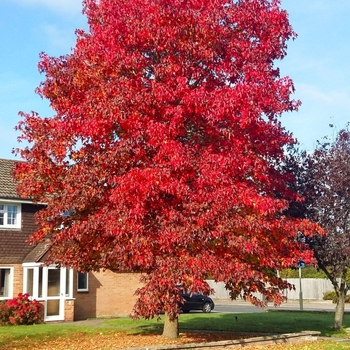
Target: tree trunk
(171,327)
(339,310)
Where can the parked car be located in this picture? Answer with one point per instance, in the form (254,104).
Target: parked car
(196,301)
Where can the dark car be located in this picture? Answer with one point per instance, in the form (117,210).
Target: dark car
(196,301)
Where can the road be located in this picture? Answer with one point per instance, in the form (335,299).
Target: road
(239,306)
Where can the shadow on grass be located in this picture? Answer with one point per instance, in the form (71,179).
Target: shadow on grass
(154,329)
(270,322)
(246,325)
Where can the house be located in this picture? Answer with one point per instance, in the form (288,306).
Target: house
(65,294)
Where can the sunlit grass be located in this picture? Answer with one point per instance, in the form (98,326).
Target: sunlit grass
(251,323)
(266,322)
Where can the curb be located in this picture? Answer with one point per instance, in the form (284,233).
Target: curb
(288,338)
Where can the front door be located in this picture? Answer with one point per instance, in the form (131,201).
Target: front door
(51,286)
(54,280)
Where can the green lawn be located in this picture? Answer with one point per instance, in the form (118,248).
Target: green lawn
(267,322)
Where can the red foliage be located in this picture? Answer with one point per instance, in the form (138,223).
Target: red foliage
(20,311)
(166,146)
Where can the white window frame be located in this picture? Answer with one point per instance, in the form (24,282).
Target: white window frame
(9,282)
(4,211)
(86,287)
(67,279)
(35,292)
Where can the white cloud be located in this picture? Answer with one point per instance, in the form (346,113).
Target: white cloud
(72,7)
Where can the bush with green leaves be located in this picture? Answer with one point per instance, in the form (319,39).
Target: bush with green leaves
(307,272)
(20,311)
(332,296)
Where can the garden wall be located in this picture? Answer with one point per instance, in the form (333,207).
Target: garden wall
(312,288)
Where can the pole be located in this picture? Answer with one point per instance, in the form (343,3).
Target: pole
(300,292)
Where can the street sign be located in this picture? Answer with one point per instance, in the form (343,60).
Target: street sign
(301,264)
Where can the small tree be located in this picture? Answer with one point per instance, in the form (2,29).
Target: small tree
(165,149)
(324,181)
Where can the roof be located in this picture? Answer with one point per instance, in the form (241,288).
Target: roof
(13,247)
(7,182)
(38,252)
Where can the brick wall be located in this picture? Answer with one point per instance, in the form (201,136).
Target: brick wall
(28,220)
(14,248)
(13,245)
(17,279)
(69,310)
(110,294)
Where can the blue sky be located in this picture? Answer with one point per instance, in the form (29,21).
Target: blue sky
(318,62)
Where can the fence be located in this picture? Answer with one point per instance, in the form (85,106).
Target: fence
(312,288)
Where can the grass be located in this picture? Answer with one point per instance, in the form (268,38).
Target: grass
(267,322)
(324,345)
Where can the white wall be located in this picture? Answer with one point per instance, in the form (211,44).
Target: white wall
(312,288)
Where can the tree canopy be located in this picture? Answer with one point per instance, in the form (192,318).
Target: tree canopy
(323,179)
(165,148)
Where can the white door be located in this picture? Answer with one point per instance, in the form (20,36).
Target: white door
(54,281)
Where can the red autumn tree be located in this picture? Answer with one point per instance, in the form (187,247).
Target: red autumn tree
(165,148)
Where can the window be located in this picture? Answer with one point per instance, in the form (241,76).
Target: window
(69,283)
(29,288)
(83,282)
(10,215)
(41,281)
(5,282)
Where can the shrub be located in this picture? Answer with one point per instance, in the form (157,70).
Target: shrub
(20,310)
(332,296)
(3,311)
(307,272)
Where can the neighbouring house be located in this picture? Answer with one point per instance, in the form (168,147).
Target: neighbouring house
(65,294)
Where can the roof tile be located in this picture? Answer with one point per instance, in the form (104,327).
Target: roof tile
(7,182)
(38,252)
(13,247)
